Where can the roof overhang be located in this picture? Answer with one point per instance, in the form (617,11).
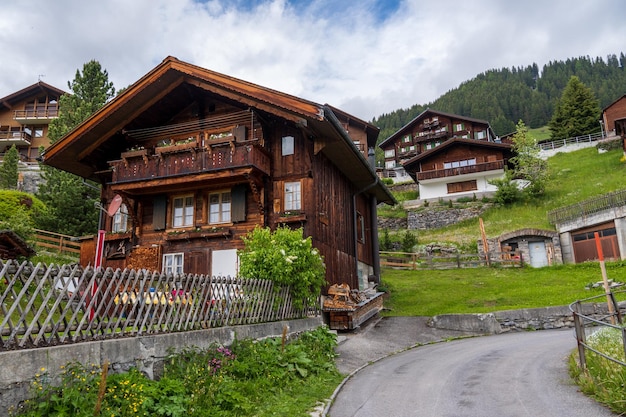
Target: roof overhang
(75,151)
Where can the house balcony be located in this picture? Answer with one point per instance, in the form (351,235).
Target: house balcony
(8,139)
(470,169)
(41,116)
(139,170)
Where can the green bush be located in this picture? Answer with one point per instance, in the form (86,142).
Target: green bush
(261,378)
(20,212)
(285,257)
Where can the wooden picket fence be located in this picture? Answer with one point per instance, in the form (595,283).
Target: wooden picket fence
(51,305)
(405,260)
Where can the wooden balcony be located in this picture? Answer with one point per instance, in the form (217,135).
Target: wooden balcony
(186,161)
(15,138)
(36,116)
(450,172)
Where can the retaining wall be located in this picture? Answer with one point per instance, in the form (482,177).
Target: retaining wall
(146,353)
(516,320)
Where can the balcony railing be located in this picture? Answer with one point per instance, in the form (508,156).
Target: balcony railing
(15,138)
(34,115)
(449,172)
(189,160)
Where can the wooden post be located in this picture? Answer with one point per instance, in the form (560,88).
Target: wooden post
(484,238)
(605,280)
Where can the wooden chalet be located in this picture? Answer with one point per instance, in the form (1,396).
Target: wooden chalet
(448,155)
(614,120)
(191,160)
(24,119)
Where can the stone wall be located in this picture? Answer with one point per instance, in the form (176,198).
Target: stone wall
(439,217)
(517,320)
(146,353)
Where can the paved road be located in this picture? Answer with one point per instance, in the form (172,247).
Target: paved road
(508,375)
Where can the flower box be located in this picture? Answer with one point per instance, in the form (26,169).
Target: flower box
(198,234)
(137,153)
(177,147)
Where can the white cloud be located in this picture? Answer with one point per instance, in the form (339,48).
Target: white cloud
(367,57)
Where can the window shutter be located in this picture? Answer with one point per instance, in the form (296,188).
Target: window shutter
(158,212)
(238,208)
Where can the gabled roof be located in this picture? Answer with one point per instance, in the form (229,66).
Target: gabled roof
(32,90)
(81,150)
(422,115)
(507,147)
(612,103)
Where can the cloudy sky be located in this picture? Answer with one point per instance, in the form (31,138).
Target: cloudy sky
(367,57)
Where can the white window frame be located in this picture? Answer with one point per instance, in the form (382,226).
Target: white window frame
(406,139)
(173,263)
(458,127)
(293,196)
(390,153)
(390,164)
(220,210)
(482,134)
(120,220)
(183,216)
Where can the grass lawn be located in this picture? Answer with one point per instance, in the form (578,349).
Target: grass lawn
(483,290)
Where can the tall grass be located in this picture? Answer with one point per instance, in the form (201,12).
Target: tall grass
(604,380)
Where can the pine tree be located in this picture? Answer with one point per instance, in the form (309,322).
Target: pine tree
(577,112)
(9,169)
(528,165)
(70,199)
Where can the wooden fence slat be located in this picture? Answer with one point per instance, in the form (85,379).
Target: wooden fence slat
(56,305)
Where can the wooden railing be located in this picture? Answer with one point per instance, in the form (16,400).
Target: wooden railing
(470,169)
(56,241)
(51,305)
(190,160)
(405,260)
(36,113)
(587,207)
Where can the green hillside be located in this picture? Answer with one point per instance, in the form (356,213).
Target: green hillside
(504,96)
(574,176)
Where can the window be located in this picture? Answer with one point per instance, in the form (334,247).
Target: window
(390,153)
(458,187)
(219,207)
(458,164)
(481,135)
(182,213)
(120,220)
(406,139)
(390,164)
(293,197)
(288,145)
(173,263)
(360,227)
(458,127)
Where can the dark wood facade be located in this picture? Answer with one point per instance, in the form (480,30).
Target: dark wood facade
(431,129)
(199,159)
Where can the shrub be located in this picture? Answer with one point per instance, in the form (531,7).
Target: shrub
(385,241)
(409,240)
(285,257)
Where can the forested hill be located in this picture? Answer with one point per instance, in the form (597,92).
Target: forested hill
(504,96)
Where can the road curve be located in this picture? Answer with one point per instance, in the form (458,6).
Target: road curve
(508,375)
